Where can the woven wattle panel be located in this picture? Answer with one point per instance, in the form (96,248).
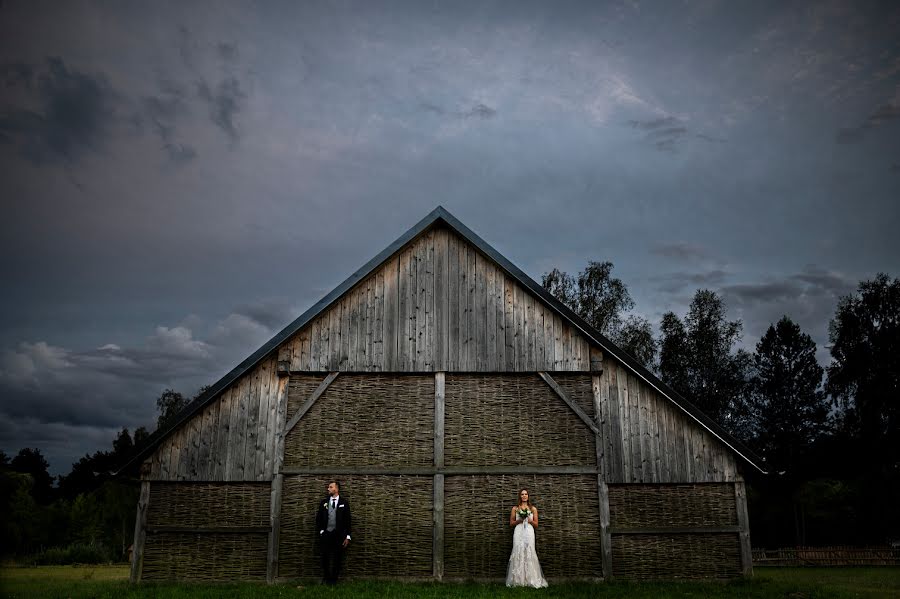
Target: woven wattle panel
(205,505)
(578,387)
(204,556)
(300,388)
(706,555)
(655,506)
(391,530)
(371,420)
(478,538)
(493,420)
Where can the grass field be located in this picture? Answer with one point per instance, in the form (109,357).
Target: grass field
(792,583)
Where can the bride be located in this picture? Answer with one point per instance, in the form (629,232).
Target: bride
(524,568)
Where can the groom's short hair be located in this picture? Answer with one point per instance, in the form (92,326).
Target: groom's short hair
(337,484)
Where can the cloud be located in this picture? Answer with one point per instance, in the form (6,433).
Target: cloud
(272,313)
(675,282)
(665,133)
(883,115)
(68,112)
(224,103)
(478,110)
(681,250)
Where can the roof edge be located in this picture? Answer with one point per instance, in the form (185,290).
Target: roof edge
(437,215)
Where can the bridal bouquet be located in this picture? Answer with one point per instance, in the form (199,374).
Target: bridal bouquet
(523,514)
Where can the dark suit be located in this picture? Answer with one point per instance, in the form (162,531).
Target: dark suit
(331,543)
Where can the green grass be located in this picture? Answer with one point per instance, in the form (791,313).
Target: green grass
(791,583)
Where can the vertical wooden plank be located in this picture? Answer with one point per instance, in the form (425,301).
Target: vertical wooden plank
(567,347)
(412,306)
(509,323)
(252,424)
(540,345)
(342,309)
(429,337)
(656,447)
(219,463)
(665,450)
(528,321)
(601,416)
(304,350)
(548,340)
(645,429)
(421,301)
(500,320)
(196,431)
(678,458)
(740,496)
(378,331)
(453,282)
(262,419)
(490,327)
(621,407)
(441,303)
(605,536)
(634,423)
(519,315)
(314,342)
(479,313)
(463,305)
(559,362)
(239,432)
(403,320)
(140,532)
(184,446)
(353,344)
(327,359)
(473,311)
(393,324)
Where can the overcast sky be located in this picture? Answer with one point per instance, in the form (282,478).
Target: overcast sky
(180,180)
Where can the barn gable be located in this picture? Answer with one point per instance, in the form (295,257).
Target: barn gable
(441,373)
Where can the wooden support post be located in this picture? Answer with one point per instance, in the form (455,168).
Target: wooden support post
(140,526)
(740,497)
(438,480)
(605,536)
(277,483)
(275,530)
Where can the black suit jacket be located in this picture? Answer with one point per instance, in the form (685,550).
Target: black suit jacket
(342,517)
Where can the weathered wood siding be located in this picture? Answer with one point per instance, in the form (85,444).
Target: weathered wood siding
(232,438)
(438,305)
(645,438)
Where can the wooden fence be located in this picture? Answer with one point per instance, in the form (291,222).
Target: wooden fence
(843,555)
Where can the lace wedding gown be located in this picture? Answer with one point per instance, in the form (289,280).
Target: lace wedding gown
(524,570)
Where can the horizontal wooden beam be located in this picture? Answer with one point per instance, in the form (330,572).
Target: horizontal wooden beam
(210,529)
(675,530)
(447,470)
(588,421)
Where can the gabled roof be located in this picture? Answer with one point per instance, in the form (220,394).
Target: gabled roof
(437,216)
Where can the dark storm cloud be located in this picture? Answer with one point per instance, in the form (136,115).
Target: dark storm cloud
(163,111)
(682,250)
(478,110)
(273,314)
(224,103)
(677,281)
(883,115)
(665,133)
(72,112)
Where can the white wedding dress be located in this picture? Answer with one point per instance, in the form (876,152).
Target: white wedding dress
(524,570)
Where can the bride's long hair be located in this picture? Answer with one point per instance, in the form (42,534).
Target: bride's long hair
(519,497)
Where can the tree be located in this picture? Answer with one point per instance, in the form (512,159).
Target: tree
(122,444)
(32,462)
(169,404)
(601,300)
(864,377)
(698,358)
(788,409)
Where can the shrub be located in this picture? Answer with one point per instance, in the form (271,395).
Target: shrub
(76,553)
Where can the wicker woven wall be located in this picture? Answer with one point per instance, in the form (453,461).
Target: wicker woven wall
(512,419)
(373,420)
(478,538)
(392,526)
(636,510)
(204,505)
(188,536)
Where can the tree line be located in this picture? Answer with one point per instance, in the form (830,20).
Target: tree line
(84,516)
(829,435)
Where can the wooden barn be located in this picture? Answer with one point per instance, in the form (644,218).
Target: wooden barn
(434,383)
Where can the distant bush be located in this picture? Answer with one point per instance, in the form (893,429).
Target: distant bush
(76,553)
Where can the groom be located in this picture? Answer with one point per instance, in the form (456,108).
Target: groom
(333,529)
